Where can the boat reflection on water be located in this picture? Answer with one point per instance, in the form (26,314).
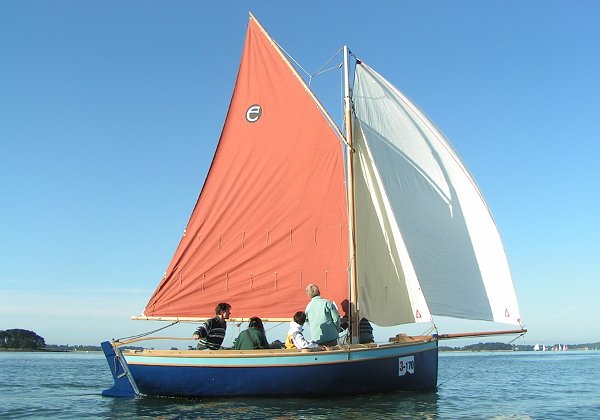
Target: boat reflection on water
(422,405)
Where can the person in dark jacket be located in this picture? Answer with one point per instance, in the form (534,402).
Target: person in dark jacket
(365,327)
(253,338)
(211,333)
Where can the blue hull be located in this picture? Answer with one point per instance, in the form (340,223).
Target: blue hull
(411,367)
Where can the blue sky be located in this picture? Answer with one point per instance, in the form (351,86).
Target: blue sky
(110,112)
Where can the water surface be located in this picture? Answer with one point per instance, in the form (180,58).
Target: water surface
(504,385)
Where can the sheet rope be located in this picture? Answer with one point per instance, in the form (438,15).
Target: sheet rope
(491,353)
(134,337)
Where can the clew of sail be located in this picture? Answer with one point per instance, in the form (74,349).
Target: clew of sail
(426,241)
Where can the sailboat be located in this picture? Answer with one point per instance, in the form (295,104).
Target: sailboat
(383,213)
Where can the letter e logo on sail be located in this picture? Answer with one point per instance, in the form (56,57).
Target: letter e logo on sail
(406,365)
(253,113)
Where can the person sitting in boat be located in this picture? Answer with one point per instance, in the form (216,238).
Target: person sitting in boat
(295,337)
(211,333)
(323,317)
(253,338)
(365,328)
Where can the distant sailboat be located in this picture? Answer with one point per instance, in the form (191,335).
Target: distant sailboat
(397,226)
(536,347)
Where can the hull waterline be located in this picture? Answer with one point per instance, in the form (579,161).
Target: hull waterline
(386,368)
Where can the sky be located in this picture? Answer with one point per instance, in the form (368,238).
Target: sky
(110,112)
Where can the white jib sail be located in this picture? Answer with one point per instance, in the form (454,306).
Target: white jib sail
(440,228)
(384,269)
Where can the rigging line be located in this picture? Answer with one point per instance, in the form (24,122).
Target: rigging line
(317,73)
(274,326)
(239,326)
(147,333)
(320,69)
(491,353)
(293,59)
(340,67)
(430,330)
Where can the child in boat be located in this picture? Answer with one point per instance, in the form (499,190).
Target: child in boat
(295,339)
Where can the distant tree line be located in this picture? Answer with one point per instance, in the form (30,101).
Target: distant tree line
(21,339)
(66,347)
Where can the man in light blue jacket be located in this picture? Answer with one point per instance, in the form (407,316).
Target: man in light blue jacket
(323,318)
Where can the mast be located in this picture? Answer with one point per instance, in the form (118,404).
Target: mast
(353,318)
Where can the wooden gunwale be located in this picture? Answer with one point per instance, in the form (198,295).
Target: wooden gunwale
(270,352)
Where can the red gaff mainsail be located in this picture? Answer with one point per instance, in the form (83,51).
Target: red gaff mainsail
(271,217)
